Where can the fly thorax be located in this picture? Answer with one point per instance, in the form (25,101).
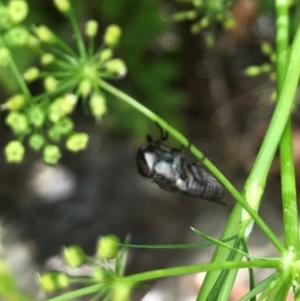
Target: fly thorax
(165,169)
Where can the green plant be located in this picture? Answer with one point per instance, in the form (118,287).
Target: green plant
(83,75)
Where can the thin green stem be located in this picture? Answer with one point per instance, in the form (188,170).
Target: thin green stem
(17,74)
(184,141)
(265,284)
(164,273)
(288,185)
(77,293)
(79,39)
(20,79)
(257,178)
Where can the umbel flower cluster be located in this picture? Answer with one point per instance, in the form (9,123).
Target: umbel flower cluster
(107,278)
(69,76)
(206,15)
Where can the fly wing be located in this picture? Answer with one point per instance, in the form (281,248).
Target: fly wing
(164,183)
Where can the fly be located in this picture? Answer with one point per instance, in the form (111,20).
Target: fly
(168,168)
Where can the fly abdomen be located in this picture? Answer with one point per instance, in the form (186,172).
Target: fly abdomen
(204,185)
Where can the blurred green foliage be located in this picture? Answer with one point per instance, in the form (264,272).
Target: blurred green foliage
(152,69)
(152,74)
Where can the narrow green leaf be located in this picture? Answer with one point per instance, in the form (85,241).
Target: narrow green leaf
(219,242)
(260,287)
(177,246)
(251,274)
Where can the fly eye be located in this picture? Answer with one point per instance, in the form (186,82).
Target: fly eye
(143,168)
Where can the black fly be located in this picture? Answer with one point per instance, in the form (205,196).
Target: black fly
(167,167)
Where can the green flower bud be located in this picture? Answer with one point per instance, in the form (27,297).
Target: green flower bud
(98,105)
(5,56)
(229,23)
(98,274)
(17,122)
(185,15)
(15,102)
(74,256)
(31,74)
(68,103)
(52,281)
(47,59)
(112,35)
(45,34)
(16,36)
(116,66)
(36,116)
(14,152)
(64,126)
(253,71)
(105,54)
(47,283)
(195,28)
(77,142)
(5,19)
(85,87)
(62,5)
(209,40)
(63,280)
(50,83)
(91,28)
(32,41)
(273,57)
(266,68)
(54,134)
(108,246)
(266,48)
(51,154)
(204,22)
(18,10)
(55,110)
(36,141)
(120,290)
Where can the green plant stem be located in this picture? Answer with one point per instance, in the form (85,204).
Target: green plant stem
(17,74)
(178,271)
(20,79)
(79,39)
(77,293)
(265,284)
(288,185)
(182,139)
(255,183)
